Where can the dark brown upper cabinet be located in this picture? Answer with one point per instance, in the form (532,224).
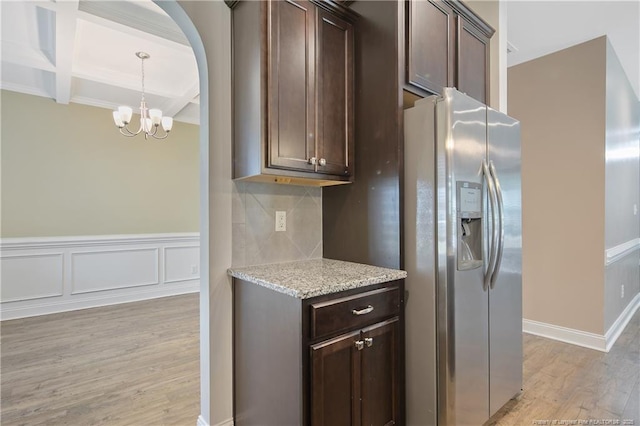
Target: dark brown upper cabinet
(430,51)
(447,45)
(293,92)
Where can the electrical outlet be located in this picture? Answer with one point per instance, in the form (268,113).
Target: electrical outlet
(622,291)
(635,209)
(194,269)
(281,221)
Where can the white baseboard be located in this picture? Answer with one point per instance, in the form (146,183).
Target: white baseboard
(48,275)
(619,325)
(564,334)
(599,342)
(203,422)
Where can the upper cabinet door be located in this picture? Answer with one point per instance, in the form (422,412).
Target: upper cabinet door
(429,50)
(335,143)
(291,84)
(473,61)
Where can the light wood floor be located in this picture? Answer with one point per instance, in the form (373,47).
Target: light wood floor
(137,364)
(567,382)
(130,364)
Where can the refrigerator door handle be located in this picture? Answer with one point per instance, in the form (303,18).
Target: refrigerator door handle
(494,235)
(500,228)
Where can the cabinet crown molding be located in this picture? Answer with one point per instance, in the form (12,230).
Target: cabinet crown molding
(463,10)
(339,7)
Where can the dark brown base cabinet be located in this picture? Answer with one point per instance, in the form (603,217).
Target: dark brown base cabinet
(333,360)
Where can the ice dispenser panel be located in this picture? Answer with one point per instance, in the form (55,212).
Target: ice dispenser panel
(469,225)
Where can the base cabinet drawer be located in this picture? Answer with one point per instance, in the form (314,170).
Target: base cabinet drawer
(333,316)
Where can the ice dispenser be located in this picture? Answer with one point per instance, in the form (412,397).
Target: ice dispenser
(469,223)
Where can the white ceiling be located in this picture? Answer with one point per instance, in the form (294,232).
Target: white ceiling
(84,52)
(537,28)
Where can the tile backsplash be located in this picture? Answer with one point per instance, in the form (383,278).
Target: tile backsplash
(254,238)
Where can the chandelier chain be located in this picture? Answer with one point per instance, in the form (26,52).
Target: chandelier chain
(142,66)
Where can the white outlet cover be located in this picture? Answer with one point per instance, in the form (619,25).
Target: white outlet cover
(281,221)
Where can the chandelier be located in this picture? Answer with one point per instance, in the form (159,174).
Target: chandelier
(150,119)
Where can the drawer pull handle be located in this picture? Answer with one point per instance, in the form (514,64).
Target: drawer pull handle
(368,341)
(359,344)
(362,311)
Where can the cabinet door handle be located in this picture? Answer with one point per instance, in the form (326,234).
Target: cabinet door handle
(322,162)
(364,311)
(313,160)
(368,341)
(359,344)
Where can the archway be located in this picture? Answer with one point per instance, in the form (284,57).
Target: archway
(207,26)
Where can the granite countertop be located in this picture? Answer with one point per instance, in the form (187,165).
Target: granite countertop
(309,278)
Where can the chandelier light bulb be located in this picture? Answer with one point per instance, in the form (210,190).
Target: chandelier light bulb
(150,119)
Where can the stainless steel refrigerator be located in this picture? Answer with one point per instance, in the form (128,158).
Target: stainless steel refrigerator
(463,255)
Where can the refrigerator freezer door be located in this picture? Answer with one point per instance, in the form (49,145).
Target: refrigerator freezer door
(505,297)
(463,332)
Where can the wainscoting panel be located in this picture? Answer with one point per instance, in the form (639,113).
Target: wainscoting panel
(113,269)
(181,263)
(39,275)
(48,275)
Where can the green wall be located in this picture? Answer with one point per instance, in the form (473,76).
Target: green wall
(67,171)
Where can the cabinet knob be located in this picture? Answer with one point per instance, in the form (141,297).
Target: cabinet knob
(313,160)
(323,162)
(359,344)
(368,341)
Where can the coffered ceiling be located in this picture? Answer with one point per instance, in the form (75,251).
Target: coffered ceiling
(84,52)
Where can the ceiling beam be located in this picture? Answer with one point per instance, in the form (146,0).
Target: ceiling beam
(136,16)
(177,104)
(66,18)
